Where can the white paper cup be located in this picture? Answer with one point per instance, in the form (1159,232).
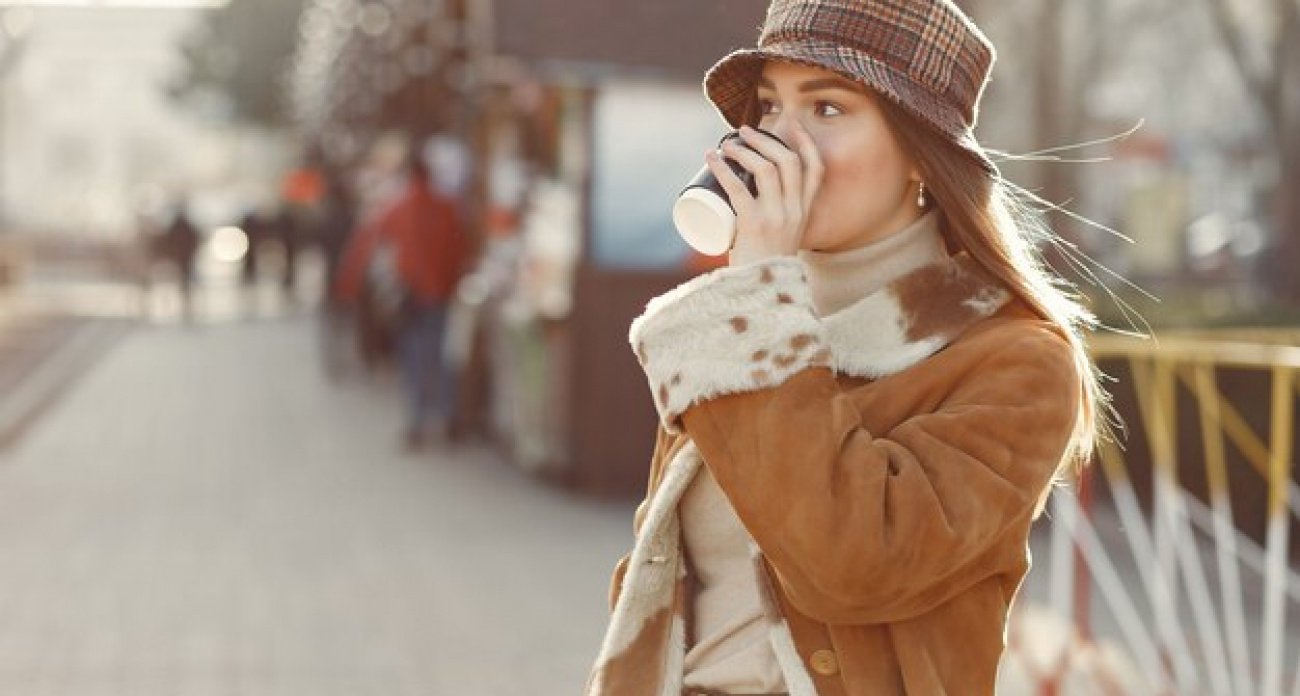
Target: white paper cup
(703,215)
(705,220)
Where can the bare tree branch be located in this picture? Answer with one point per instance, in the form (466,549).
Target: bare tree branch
(1289,22)
(1221,18)
(1140,16)
(1285,72)
(1100,46)
(1025,22)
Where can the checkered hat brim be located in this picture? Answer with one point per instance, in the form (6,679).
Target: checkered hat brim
(731,85)
(923,55)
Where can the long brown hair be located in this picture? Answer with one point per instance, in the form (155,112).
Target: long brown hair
(994,221)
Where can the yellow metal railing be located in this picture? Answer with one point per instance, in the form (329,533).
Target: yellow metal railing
(1187,630)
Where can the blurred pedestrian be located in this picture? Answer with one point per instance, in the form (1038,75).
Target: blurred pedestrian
(301,194)
(864,412)
(406,265)
(255,226)
(338,216)
(288,230)
(180,246)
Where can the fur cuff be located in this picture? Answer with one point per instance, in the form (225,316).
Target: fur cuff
(732,330)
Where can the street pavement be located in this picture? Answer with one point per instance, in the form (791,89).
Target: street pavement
(205,513)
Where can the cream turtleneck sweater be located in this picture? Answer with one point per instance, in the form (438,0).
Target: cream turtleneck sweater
(731,652)
(839,279)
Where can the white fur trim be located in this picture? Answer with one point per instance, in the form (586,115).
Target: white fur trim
(675,660)
(729,331)
(870,338)
(797,680)
(876,330)
(988,302)
(654,567)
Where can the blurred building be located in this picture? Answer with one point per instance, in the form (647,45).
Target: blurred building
(637,126)
(579,140)
(89,144)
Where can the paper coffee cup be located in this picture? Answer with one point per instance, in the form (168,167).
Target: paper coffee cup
(703,214)
(705,220)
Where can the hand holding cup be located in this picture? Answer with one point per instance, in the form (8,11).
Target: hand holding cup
(751,198)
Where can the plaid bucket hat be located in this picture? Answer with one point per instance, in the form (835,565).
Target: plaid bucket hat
(926,56)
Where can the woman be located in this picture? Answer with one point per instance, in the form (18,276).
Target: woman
(864,412)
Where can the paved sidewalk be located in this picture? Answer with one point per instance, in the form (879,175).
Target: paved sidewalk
(64,312)
(205,514)
(40,356)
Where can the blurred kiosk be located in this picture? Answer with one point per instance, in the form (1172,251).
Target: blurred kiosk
(609,124)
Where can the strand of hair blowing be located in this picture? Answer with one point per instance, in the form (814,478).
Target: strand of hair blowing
(982,216)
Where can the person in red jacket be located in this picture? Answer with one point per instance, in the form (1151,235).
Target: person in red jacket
(412,256)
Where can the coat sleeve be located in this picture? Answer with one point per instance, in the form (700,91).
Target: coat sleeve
(861,527)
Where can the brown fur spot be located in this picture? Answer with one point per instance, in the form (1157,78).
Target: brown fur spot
(822,357)
(785,360)
(802,341)
(933,300)
(784,298)
(766,275)
(740,324)
(663,395)
(760,376)
(677,379)
(760,356)
(640,352)
(685,593)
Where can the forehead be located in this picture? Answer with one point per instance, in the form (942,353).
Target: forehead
(780,73)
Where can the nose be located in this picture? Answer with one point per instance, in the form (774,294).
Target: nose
(782,127)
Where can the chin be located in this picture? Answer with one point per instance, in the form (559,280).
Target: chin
(820,243)
(819,238)
(815,240)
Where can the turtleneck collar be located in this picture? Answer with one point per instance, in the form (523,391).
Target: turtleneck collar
(839,279)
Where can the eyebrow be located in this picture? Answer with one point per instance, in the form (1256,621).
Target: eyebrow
(817,84)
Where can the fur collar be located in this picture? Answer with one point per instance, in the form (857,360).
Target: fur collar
(911,318)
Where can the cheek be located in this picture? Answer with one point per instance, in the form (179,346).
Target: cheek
(847,173)
(861,175)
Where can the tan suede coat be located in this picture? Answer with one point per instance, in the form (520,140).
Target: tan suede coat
(887,462)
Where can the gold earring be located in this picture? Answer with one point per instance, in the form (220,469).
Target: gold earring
(920,196)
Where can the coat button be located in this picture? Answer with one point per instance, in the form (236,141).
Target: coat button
(824,663)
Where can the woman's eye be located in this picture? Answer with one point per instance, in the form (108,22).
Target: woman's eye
(828,109)
(820,108)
